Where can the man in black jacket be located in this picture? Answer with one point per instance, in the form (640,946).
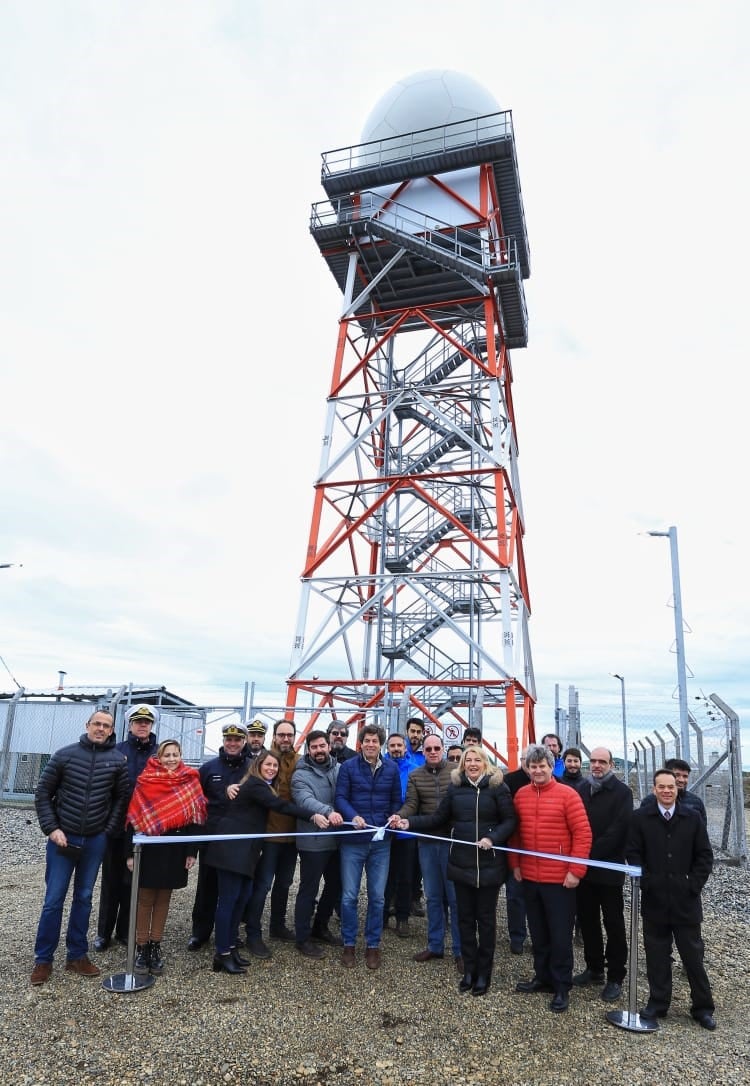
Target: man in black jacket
(228,767)
(82,796)
(670,844)
(114,894)
(599,900)
(338,733)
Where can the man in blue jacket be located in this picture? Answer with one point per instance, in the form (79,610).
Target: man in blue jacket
(368,792)
(403,861)
(81,797)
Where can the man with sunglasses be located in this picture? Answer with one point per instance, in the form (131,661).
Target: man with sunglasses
(338,734)
(425,788)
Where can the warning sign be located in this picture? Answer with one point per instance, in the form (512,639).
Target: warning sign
(452,733)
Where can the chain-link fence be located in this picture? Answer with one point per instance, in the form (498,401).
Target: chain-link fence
(33,729)
(651,730)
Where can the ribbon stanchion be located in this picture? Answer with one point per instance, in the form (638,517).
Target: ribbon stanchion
(630,1019)
(130,981)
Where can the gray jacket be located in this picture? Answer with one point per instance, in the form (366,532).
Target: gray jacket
(314,788)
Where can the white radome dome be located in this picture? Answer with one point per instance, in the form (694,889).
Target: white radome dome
(425,100)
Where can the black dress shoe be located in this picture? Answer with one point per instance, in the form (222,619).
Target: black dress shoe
(238,958)
(534,985)
(649,1011)
(466,983)
(611,991)
(258,948)
(588,976)
(559,1002)
(285,934)
(705,1019)
(325,935)
(480,986)
(194,943)
(225,963)
(101,942)
(309,949)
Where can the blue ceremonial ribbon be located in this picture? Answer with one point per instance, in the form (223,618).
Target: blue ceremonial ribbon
(380,831)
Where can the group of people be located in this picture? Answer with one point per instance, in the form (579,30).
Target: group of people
(397,811)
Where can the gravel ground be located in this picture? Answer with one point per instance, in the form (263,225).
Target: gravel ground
(292,1020)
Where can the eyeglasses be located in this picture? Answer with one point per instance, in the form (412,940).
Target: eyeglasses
(338,731)
(285,735)
(454,758)
(432,750)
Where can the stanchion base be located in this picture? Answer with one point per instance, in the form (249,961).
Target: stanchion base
(127,982)
(632,1022)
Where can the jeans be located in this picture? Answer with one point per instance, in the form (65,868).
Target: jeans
(438,888)
(372,857)
(234,894)
(275,868)
(57,876)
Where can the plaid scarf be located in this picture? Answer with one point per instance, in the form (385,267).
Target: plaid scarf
(165,801)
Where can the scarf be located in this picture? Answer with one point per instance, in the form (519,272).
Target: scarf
(165,801)
(597,783)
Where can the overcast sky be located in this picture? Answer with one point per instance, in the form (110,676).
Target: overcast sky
(167,329)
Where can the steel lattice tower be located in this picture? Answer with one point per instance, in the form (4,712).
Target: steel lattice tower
(415,598)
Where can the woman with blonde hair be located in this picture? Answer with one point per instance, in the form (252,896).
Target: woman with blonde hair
(167,801)
(478,809)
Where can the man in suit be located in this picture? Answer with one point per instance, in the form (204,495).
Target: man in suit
(669,842)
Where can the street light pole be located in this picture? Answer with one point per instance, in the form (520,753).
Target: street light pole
(679,631)
(624,726)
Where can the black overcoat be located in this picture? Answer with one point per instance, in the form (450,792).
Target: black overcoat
(676,858)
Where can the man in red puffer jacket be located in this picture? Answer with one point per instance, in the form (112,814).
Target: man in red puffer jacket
(552,819)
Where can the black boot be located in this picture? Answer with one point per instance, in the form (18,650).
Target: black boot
(481,984)
(466,983)
(225,963)
(156,965)
(237,957)
(142,962)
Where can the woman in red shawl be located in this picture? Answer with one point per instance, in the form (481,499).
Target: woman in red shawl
(168,800)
